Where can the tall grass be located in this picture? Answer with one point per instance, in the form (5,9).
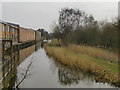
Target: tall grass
(94,52)
(83,62)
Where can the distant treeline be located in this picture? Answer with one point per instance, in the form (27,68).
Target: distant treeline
(45,34)
(77,27)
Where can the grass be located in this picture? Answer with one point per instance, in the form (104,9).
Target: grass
(100,56)
(94,52)
(75,56)
(70,58)
(55,42)
(113,67)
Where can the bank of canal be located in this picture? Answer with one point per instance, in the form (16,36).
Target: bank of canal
(45,72)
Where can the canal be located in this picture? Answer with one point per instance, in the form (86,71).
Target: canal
(31,67)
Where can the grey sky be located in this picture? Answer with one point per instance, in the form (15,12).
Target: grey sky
(41,15)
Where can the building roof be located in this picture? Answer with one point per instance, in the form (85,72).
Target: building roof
(3,22)
(10,24)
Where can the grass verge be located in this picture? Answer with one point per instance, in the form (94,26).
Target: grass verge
(94,52)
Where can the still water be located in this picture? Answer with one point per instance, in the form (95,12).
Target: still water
(43,72)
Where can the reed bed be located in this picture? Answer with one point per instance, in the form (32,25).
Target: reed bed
(94,52)
(82,61)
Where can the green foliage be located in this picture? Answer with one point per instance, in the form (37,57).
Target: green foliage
(55,42)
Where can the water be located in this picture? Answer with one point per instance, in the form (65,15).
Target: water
(45,72)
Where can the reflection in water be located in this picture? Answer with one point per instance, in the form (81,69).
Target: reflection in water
(45,72)
(24,53)
(9,63)
(68,75)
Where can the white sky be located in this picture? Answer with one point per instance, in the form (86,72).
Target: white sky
(42,14)
(59,0)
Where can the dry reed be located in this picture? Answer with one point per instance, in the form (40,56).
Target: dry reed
(83,62)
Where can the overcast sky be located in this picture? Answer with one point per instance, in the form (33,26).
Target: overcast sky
(41,15)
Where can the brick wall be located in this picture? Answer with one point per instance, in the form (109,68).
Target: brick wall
(26,34)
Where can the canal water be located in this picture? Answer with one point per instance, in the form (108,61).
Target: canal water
(31,67)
